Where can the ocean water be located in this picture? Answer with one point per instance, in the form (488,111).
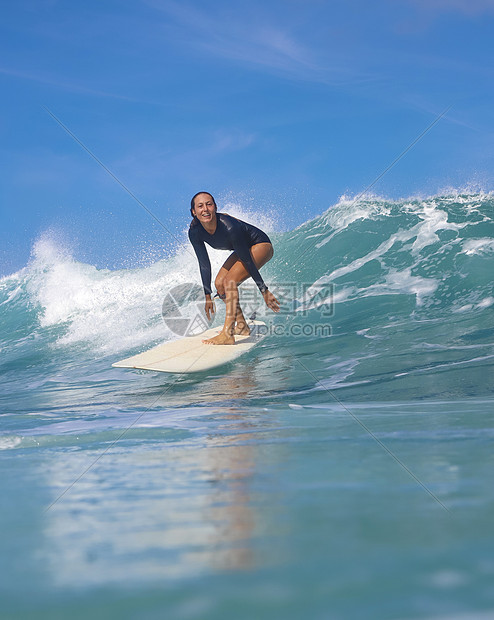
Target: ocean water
(344,468)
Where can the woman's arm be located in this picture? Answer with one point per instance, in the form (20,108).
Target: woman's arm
(205,269)
(204,262)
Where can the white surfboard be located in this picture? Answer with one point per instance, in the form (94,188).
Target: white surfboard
(190,354)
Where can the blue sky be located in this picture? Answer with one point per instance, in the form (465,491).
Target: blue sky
(279,105)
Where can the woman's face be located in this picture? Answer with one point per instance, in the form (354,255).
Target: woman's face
(204,208)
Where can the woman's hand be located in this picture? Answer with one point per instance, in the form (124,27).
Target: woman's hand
(271,301)
(209,307)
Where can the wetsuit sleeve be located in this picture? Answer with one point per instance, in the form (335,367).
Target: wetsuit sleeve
(242,250)
(204,262)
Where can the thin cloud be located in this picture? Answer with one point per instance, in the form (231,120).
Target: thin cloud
(234,38)
(471,8)
(218,144)
(147,166)
(69,86)
(252,39)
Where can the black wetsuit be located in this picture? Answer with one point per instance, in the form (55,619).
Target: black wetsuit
(230,234)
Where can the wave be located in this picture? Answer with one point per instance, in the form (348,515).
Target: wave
(406,287)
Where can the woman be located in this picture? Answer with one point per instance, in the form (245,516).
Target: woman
(251,250)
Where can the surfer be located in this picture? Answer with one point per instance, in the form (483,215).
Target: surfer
(252,249)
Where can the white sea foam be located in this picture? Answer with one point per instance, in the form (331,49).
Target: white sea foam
(424,233)
(478,246)
(339,373)
(112,311)
(433,220)
(7,443)
(486,302)
(266,220)
(12,295)
(107,310)
(403,282)
(346,211)
(395,283)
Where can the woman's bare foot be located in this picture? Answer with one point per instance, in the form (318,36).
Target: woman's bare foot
(221,338)
(242,329)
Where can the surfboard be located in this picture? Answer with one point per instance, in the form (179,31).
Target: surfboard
(190,354)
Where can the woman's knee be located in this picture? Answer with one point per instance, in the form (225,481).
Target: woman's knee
(220,284)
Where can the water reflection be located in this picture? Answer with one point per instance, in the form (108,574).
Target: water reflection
(254,377)
(157,509)
(233,465)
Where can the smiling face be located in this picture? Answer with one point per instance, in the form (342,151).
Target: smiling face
(205,209)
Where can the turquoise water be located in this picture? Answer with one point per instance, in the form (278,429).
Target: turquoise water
(341,476)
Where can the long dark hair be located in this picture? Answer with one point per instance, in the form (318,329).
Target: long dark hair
(195,196)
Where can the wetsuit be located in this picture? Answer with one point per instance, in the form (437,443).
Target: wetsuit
(230,234)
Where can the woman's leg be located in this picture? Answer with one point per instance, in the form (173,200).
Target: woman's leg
(231,274)
(241,327)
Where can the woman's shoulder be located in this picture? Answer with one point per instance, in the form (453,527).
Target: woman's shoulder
(194,228)
(229,221)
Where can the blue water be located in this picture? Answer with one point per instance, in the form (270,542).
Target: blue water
(342,469)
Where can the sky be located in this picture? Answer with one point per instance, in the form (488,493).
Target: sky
(280,106)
